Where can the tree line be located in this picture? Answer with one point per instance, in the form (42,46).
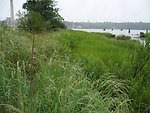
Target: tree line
(108,25)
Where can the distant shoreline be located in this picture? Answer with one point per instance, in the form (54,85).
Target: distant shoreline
(108,25)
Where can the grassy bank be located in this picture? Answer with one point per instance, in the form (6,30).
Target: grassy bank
(72,72)
(99,46)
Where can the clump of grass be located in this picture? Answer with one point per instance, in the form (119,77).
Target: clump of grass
(66,89)
(14,89)
(116,91)
(14,46)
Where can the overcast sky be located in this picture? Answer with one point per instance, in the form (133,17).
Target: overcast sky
(93,10)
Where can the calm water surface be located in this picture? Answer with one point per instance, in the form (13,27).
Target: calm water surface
(133,33)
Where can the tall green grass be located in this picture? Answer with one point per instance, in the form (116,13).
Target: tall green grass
(64,79)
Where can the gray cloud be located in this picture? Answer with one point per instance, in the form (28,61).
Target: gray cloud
(93,10)
(105,10)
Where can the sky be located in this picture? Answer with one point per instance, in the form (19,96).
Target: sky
(93,10)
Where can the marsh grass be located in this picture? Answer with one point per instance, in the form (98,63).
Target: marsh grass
(67,79)
(97,46)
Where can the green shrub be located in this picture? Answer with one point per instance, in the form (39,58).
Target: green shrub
(123,37)
(147,39)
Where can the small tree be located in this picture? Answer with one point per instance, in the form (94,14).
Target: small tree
(31,22)
(34,23)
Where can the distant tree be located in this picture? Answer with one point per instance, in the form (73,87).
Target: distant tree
(45,11)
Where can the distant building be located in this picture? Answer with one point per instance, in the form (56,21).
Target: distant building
(7,21)
(79,27)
